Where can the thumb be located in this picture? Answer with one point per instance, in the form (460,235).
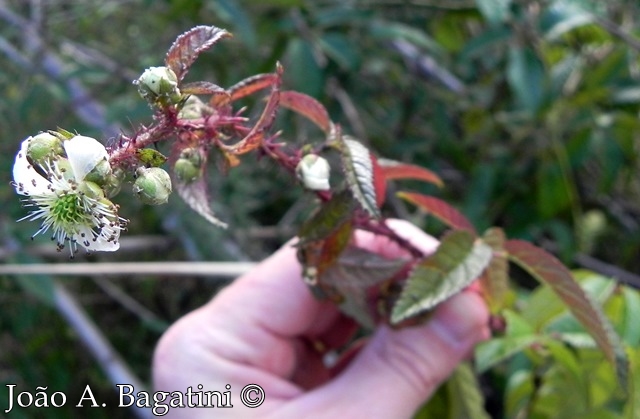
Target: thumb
(398,370)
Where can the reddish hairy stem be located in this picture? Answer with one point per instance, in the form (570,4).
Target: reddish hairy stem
(366,223)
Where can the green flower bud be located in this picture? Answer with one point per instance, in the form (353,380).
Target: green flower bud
(43,147)
(100,174)
(153,185)
(193,155)
(186,171)
(188,167)
(114,182)
(313,171)
(91,190)
(193,108)
(159,86)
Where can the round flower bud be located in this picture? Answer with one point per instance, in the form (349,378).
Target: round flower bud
(114,182)
(193,108)
(153,185)
(186,171)
(188,167)
(43,147)
(91,190)
(101,173)
(314,171)
(159,85)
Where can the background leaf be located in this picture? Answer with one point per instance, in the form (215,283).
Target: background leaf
(525,74)
(457,262)
(466,395)
(546,268)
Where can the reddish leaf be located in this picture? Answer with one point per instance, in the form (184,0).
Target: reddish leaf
(457,262)
(202,88)
(547,269)
(308,107)
(358,166)
(254,138)
(495,281)
(439,209)
(316,256)
(356,272)
(394,170)
(247,87)
(188,46)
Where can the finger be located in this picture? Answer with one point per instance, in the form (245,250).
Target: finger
(411,363)
(387,247)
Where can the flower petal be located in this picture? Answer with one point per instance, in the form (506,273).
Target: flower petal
(85,238)
(84,153)
(27,180)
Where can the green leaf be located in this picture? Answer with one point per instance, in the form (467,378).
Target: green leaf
(232,13)
(150,157)
(340,49)
(385,31)
(38,286)
(358,167)
(303,72)
(188,46)
(495,281)
(494,11)
(564,17)
(520,390)
(631,331)
(330,216)
(457,262)
(547,269)
(519,336)
(439,209)
(466,395)
(525,74)
(553,192)
(632,407)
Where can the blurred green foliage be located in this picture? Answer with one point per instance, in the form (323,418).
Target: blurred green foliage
(527,109)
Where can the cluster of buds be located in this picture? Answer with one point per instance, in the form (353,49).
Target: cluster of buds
(68,180)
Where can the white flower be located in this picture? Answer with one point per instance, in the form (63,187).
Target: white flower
(74,209)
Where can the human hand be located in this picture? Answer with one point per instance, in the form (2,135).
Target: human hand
(262,328)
